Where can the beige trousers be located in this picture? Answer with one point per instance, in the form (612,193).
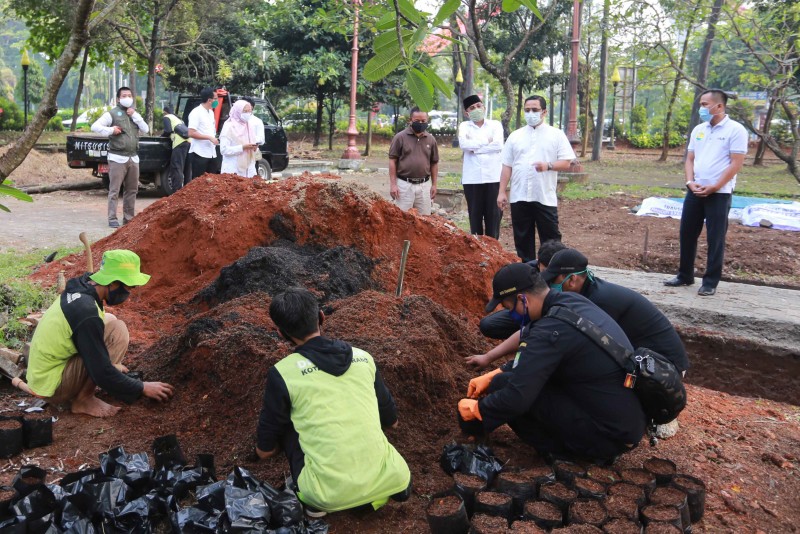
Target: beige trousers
(414,196)
(75,375)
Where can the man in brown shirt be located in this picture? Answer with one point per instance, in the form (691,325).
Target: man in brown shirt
(414,165)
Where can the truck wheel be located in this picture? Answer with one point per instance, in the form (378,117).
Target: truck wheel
(164,185)
(263,169)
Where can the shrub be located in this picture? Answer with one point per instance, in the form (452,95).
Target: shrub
(12,117)
(54,125)
(645,140)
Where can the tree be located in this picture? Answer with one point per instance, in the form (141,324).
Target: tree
(36,84)
(79,37)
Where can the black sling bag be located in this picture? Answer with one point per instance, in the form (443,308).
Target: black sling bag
(651,375)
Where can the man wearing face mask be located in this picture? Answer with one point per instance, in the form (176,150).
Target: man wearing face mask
(203,131)
(481,139)
(716,152)
(122,126)
(532,157)
(561,394)
(414,165)
(78,346)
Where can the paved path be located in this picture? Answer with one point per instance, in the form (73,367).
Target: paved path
(766,315)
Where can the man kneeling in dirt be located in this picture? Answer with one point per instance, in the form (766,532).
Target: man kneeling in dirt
(325,405)
(562,393)
(78,347)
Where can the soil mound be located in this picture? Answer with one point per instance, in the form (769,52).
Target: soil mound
(332,273)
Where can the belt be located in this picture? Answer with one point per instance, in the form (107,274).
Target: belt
(414,180)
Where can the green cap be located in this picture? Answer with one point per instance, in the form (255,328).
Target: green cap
(120,266)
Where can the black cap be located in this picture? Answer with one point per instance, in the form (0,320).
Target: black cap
(510,280)
(565,261)
(472,99)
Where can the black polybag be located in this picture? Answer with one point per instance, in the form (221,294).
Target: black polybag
(134,517)
(81,526)
(194,519)
(108,493)
(285,507)
(76,511)
(212,497)
(13,525)
(168,452)
(73,482)
(246,508)
(472,460)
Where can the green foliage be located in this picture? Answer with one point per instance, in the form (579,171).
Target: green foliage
(638,119)
(646,140)
(12,117)
(55,125)
(36,84)
(7,190)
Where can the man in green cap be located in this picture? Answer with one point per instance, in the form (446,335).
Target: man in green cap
(77,346)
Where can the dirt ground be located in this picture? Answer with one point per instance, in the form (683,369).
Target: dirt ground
(214,344)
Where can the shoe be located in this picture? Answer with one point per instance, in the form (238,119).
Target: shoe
(113,224)
(313,513)
(677,282)
(706,291)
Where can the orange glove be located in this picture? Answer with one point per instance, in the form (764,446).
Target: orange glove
(479,385)
(468,410)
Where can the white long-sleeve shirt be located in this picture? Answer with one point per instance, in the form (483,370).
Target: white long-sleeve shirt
(103,126)
(482,162)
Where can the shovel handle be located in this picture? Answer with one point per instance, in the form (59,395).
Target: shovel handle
(86,245)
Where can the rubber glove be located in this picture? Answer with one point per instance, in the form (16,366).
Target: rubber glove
(479,385)
(468,410)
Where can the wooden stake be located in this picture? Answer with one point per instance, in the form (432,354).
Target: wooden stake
(403,259)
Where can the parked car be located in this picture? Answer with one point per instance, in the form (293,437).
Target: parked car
(90,150)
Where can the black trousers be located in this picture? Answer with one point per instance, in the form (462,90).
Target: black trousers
(714,210)
(528,218)
(558,427)
(200,166)
(498,325)
(484,215)
(179,170)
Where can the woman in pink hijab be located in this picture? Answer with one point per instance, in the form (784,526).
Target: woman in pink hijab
(238,142)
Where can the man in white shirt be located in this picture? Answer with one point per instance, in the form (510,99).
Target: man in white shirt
(716,152)
(532,157)
(122,125)
(203,132)
(481,139)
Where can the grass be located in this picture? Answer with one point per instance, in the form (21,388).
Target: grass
(20,297)
(47,138)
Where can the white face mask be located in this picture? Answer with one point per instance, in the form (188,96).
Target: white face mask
(246,116)
(533,118)
(126,102)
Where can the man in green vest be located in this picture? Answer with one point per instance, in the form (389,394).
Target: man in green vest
(179,134)
(122,124)
(326,406)
(78,347)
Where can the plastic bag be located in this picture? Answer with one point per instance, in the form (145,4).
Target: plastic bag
(478,460)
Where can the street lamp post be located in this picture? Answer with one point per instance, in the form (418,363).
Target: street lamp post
(351,152)
(614,80)
(26,62)
(459,83)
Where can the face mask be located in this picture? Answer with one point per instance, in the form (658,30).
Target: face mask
(533,118)
(246,116)
(560,287)
(419,127)
(705,115)
(477,114)
(522,319)
(117,296)
(214,104)
(126,102)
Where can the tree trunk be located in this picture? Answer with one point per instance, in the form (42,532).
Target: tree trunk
(318,124)
(552,83)
(601,99)
(518,114)
(152,61)
(331,120)
(702,67)
(762,146)
(674,96)
(369,134)
(78,39)
(587,119)
(77,105)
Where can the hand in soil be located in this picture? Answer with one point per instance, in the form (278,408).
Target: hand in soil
(479,361)
(93,406)
(159,391)
(121,368)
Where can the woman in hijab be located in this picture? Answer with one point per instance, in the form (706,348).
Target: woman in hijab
(237,142)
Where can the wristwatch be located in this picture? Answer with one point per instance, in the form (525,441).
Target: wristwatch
(549,165)
(689,182)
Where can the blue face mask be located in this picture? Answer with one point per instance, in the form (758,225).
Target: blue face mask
(705,115)
(560,287)
(522,319)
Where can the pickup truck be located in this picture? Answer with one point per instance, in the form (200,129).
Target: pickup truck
(90,150)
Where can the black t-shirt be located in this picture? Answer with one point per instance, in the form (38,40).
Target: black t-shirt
(641,321)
